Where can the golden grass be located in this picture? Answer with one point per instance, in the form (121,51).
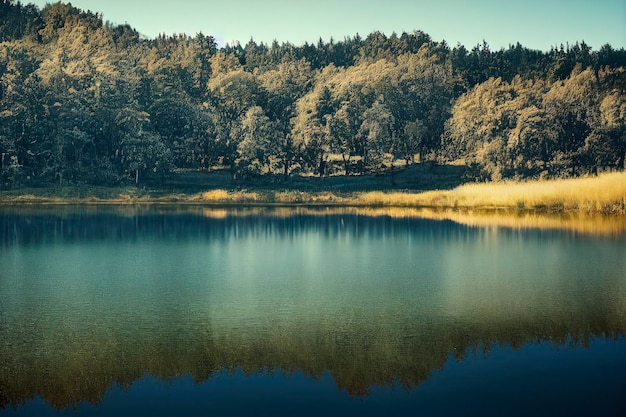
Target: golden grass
(222,196)
(603,194)
(265,197)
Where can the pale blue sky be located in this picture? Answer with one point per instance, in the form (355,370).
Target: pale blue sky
(537,24)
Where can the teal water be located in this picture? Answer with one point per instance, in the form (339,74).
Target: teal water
(138,310)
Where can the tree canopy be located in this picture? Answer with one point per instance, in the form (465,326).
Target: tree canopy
(84,101)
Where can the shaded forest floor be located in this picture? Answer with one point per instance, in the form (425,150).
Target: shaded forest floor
(420,177)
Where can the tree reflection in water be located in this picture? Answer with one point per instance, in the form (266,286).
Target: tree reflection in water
(96,296)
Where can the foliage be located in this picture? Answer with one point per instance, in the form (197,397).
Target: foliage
(84,101)
(534,128)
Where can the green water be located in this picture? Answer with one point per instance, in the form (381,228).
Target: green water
(92,298)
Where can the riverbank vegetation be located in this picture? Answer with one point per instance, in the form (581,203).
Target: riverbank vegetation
(87,103)
(604,194)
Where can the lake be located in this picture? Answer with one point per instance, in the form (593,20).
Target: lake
(320,311)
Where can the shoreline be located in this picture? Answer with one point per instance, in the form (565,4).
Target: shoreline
(356,203)
(603,194)
(590,224)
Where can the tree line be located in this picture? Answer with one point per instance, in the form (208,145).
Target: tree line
(84,101)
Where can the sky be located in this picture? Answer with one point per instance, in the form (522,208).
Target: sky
(536,24)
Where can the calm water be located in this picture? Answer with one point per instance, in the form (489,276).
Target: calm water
(128,311)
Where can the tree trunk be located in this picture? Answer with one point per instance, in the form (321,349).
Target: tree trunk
(322,166)
(286,169)
(364,161)
(136,176)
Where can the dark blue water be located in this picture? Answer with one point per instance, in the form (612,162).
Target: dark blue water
(136,311)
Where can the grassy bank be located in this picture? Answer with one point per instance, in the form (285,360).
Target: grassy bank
(602,194)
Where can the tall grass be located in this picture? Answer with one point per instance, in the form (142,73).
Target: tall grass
(605,194)
(268,197)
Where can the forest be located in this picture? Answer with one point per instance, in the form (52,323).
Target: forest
(85,101)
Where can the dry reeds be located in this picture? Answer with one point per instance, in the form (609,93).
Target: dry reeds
(223,196)
(602,194)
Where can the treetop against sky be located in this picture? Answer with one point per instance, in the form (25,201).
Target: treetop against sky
(536,24)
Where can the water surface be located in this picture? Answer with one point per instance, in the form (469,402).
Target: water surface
(131,309)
